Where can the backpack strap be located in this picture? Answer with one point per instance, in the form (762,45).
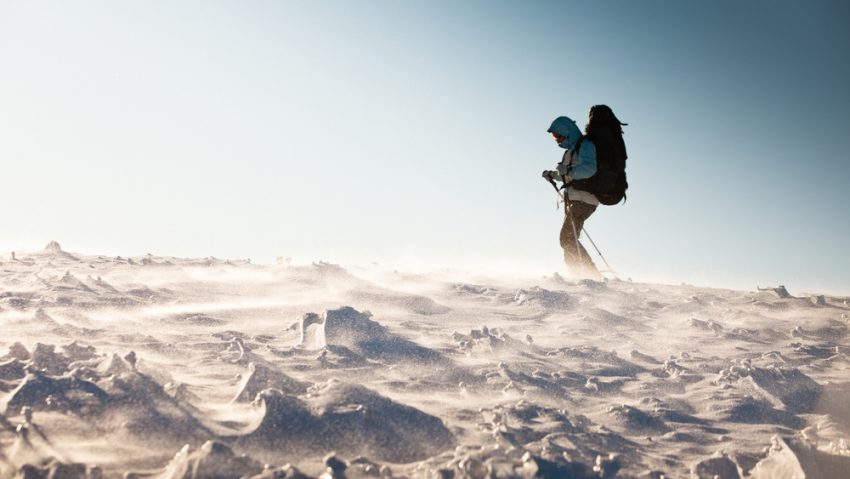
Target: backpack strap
(585,184)
(572,151)
(576,147)
(578,144)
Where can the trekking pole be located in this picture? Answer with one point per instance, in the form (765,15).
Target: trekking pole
(557,190)
(572,221)
(555,185)
(597,250)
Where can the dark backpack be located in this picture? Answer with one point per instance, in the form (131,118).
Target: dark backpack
(609,183)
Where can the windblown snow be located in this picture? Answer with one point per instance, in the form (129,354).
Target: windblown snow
(162,367)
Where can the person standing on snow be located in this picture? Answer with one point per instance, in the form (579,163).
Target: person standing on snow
(578,163)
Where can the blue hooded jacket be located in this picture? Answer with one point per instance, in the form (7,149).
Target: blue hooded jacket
(577,167)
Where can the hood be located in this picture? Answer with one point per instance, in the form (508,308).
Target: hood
(567,128)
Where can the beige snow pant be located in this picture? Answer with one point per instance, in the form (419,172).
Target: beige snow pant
(578,261)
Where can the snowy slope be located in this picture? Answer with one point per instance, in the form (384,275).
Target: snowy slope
(172,367)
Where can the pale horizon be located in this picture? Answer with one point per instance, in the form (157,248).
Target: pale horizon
(416,265)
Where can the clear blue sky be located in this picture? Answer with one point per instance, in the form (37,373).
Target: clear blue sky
(413,133)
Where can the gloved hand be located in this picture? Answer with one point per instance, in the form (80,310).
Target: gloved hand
(550,175)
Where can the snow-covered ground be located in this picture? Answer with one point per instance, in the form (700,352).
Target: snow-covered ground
(172,367)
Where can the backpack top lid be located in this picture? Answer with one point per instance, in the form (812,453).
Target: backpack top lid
(602,115)
(606,130)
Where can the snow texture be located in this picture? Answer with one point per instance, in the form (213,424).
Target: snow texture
(164,367)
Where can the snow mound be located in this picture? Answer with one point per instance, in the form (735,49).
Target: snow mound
(633,419)
(598,362)
(75,351)
(215,459)
(485,339)
(385,429)
(415,304)
(792,458)
(537,296)
(717,467)
(788,388)
(212,459)
(12,369)
(320,273)
(193,319)
(602,318)
(54,249)
(99,285)
(41,392)
(646,358)
(536,441)
(18,351)
(41,318)
(286,422)
(108,390)
(114,364)
(70,282)
(143,407)
(351,330)
(793,389)
(350,419)
(56,469)
(45,358)
(496,462)
(484,293)
(261,377)
(746,409)
(779,291)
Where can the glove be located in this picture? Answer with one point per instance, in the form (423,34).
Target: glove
(563,170)
(550,175)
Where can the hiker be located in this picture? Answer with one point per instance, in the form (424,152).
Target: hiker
(578,204)
(586,180)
